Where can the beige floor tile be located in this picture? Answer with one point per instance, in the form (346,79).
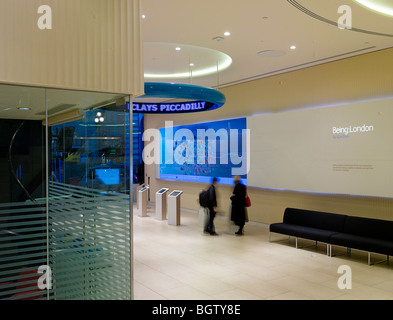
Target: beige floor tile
(143,293)
(185,293)
(182,263)
(290,295)
(307,288)
(236,294)
(364,292)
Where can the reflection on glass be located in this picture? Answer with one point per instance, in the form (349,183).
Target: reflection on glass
(77,220)
(22,191)
(89,187)
(91,150)
(93,154)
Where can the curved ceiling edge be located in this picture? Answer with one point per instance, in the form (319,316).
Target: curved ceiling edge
(298,6)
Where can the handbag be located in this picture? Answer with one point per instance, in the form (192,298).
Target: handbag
(248,201)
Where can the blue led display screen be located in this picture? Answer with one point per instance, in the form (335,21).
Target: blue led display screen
(199,152)
(108,176)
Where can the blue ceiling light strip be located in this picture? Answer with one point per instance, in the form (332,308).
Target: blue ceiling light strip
(198,98)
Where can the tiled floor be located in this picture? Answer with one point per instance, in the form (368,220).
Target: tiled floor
(183,263)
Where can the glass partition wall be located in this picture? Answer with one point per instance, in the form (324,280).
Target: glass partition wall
(65,206)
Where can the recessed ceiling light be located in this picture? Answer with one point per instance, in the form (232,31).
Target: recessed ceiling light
(292,47)
(178,49)
(227,34)
(191,64)
(143,16)
(24,108)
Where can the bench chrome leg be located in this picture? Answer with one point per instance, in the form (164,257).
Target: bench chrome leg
(377,262)
(270,239)
(307,246)
(337,254)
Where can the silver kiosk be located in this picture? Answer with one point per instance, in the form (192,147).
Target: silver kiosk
(138,188)
(161,204)
(142,197)
(174,208)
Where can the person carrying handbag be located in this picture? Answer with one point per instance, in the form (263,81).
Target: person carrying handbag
(238,211)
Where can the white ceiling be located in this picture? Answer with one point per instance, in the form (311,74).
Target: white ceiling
(255,26)
(269,26)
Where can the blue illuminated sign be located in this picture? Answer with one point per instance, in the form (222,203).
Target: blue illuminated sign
(194,106)
(202,98)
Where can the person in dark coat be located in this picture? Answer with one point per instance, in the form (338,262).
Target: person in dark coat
(238,212)
(209,228)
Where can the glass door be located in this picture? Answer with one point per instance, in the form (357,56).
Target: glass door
(89,189)
(23,236)
(65,207)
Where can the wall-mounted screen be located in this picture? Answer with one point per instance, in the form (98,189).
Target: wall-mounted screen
(108,176)
(175,193)
(345,149)
(199,152)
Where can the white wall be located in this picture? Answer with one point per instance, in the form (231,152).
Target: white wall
(349,80)
(84,50)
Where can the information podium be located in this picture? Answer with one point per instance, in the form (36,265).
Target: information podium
(142,197)
(140,187)
(174,208)
(161,204)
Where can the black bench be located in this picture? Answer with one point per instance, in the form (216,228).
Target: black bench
(371,235)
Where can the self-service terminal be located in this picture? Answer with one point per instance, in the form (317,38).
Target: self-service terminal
(161,204)
(174,208)
(137,195)
(142,197)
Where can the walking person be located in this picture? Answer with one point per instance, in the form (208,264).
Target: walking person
(238,212)
(212,207)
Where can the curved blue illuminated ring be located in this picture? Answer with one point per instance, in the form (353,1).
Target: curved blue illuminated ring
(214,98)
(183,91)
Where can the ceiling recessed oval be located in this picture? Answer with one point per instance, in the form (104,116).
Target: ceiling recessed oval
(384,7)
(162,63)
